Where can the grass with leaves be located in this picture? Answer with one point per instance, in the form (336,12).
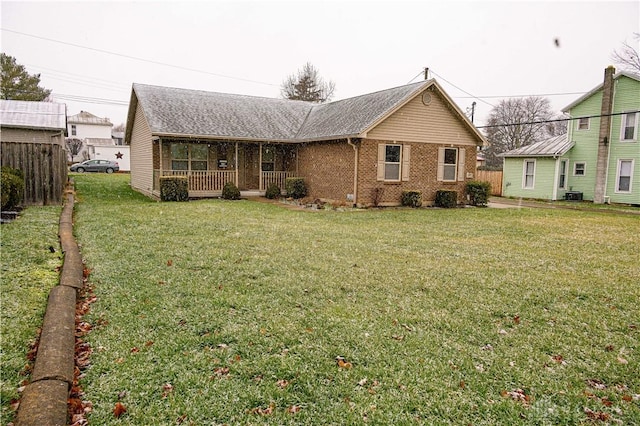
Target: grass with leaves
(235,312)
(30,257)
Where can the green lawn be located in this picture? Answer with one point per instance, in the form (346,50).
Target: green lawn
(29,271)
(233,312)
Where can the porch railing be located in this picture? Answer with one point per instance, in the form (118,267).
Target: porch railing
(199,181)
(278,178)
(212,181)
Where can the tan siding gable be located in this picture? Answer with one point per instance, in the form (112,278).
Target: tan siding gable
(436,122)
(141,153)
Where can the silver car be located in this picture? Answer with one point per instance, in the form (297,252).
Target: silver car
(106,166)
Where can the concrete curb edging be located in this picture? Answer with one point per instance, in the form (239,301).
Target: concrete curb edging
(44,400)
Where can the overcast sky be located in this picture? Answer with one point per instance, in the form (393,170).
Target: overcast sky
(96,50)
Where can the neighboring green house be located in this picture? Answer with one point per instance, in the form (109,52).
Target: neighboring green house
(598,159)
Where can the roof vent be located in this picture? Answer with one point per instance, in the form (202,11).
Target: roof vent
(426,98)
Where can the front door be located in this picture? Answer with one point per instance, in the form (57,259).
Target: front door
(249,171)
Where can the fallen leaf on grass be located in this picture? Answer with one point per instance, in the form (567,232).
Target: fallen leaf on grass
(135,350)
(596,384)
(342,363)
(396,337)
(169,262)
(149,343)
(220,372)
(282,383)
(166,390)
(119,409)
(264,411)
(622,360)
(559,359)
(517,395)
(596,415)
(293,409)
(516,319)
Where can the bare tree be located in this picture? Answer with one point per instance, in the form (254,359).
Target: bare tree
(307,85)
(74,146)
(119,128)
(627,57)
(514,123)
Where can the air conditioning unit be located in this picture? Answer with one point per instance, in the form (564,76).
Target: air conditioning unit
(573,196)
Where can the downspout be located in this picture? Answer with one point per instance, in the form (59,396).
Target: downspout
(355,172)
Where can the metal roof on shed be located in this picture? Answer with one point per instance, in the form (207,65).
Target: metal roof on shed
(552,147)
(33,115)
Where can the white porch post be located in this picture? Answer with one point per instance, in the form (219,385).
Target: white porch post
(237,166)
(260,161)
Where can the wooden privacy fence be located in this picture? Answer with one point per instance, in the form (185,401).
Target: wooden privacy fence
(494,177)
(44,167)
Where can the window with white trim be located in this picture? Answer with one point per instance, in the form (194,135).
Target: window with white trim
(583,123)
(629,128)
(393,162)
(74,130)
(623,176)
(528,174)
(562,178)
(579,169)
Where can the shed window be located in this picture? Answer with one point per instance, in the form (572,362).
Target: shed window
(529,172)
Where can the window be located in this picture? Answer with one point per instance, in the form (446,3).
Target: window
(583,123)
(579,169)
(623,179)
(393,162)
(189,156)
(629,129)
(562,178)
(74,131)
(529,170)
(451,164)
(268,158)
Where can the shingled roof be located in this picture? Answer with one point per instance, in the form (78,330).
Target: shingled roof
(552,147)
(33,115)
(196,113)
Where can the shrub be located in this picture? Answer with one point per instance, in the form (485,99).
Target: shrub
(478,192)
(446,199)
(174,188)
(230,191)
(11,187)
(411,198)
(295,187)
(273,191)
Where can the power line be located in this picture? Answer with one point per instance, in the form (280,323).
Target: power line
(462,90)
(557,120)
(135,58)
(523,96)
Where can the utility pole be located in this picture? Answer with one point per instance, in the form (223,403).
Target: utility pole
(473,109)
(426,73)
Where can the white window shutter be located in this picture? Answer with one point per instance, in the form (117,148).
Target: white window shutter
(406,158)
(440,164)
(461,158)
(381,157)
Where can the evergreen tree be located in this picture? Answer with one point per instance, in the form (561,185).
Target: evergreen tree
(18,84)
(307,85)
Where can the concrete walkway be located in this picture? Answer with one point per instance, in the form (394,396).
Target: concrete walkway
(44,400)
(506,203)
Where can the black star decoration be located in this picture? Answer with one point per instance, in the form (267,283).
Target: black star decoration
(119,154)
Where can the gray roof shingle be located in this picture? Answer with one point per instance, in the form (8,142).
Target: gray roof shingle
(554,146)
(172,111)
(33,115)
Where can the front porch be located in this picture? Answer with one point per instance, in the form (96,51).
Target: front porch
(209,165)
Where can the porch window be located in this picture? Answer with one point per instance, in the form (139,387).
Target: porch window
(529,173)
(629,128)
(268,158)
(189,156)
(625,171)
